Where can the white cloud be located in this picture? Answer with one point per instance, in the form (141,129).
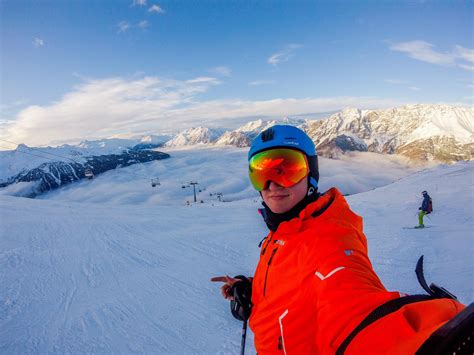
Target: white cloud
(284,55)
(261,82)
(38,42)
(221,70)
(143,24)
(123,26)
(467,67)
(114,106)
(156,9)
(396,81)
(139,3)
(204,80)
(425,52)
(414,88)
(465,53)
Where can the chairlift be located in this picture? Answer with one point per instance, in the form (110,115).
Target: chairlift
(155,182)
(89,174)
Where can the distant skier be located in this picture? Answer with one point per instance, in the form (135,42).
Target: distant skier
(426,208)
(314,290)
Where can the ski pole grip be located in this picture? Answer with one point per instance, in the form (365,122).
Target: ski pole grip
(241,305)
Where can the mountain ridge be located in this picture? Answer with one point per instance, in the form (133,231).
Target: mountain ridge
(420,132)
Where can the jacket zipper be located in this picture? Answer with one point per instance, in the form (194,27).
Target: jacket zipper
(268,268)
(265,246)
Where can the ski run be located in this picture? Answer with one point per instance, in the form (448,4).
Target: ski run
(102,267)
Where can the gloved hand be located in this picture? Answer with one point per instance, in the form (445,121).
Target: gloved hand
(241,304)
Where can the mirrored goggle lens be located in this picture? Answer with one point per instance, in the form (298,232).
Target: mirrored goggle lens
(286,167)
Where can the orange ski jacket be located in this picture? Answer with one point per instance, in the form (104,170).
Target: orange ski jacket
(314,284)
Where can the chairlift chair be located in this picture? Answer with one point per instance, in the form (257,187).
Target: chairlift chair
(89,174)
(155,182)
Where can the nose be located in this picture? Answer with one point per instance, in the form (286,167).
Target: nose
(272,185)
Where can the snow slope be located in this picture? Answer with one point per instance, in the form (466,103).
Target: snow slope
(108,277)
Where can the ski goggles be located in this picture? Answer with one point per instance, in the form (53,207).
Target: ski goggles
(284,166)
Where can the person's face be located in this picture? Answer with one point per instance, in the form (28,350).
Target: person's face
(282,199)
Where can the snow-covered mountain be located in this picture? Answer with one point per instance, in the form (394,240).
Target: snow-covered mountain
(240,137)
(118,145)
(194,136)
(243,136)
(421,132)
(37,170)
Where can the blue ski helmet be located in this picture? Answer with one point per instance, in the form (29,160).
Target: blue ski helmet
(286,136)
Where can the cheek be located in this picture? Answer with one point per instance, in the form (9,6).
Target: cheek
(299,191)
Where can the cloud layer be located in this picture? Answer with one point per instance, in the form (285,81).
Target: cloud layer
(120,107)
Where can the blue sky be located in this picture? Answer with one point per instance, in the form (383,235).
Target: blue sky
(91,69)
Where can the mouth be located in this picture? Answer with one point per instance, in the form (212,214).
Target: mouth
(278,197)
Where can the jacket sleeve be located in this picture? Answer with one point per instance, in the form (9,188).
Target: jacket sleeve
(345,286)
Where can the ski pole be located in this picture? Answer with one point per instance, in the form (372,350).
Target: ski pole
(244,335)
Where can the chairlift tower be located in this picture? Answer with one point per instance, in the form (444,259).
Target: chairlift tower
(194,188)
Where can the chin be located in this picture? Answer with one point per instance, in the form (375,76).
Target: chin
(279,209)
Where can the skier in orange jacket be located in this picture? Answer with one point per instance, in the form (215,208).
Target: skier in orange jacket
(314,290)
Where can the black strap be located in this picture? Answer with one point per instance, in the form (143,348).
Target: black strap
(454,337)
(379,312)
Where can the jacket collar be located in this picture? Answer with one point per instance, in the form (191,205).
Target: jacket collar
(328,205)
(273,220)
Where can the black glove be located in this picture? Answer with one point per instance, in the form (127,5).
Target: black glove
(241,305)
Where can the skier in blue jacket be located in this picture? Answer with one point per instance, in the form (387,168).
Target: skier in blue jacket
(426,208)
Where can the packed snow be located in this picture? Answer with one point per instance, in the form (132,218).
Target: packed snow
(114,265)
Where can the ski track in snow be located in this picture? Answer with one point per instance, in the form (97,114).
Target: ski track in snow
(93,281)
(109,278)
